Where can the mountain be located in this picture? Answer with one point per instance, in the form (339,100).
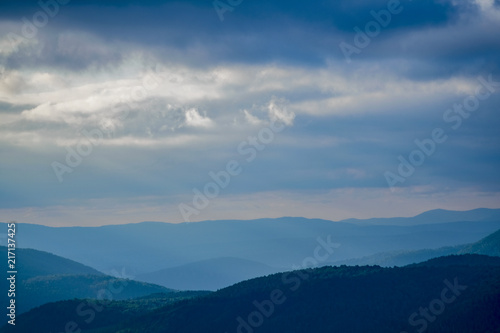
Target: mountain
(210,274)
(43,277)
(434,216)
(43,289)
(31,263)
(489,245)
(401,258)
(442,215)
(465,259)
(445,296)
(280,243)
(89,315)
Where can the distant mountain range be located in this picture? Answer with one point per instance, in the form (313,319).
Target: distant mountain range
(209,274)
(448,294)
(490,245)
(225,252)
(434,216)
(278,243)
(222,272)
(47,277)
(153,305)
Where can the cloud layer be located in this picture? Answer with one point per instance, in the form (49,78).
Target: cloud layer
(136,103)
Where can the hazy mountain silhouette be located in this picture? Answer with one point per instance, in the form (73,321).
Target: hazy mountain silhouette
(209,274)
(31,263)
(434,216)
(43,277)
(279,243)
(490,245)
(401,258)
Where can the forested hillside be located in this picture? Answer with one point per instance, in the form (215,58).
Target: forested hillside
(444,295)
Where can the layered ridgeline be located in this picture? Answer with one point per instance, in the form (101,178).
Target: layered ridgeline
(43,277)
(176,254)
(448,294)
(208,274)
(490,245)
(32,263)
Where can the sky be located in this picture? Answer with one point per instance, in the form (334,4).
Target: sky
(117,112)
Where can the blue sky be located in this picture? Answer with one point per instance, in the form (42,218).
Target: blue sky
(118,111)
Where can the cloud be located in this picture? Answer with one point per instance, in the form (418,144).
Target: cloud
(190,32)
(174,92)
(279,112)
(330,205)
(195,119)
(251,119)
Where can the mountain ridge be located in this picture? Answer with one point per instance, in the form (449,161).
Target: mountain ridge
(489,245)
(44,277)
(322,300)
(445,216)
(277,243)
(217,273)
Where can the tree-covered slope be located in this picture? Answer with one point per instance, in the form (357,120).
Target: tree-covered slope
(343,299)
(39,290)
(449,296)
(490,245)
(91,315)
(43,277)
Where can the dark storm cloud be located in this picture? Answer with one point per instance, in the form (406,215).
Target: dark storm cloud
(254,32)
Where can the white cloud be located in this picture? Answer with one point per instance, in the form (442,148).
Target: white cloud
(486,5)
(195,119)
(142,96)
(278,111)
(12,40)
(137,102)
(363,96)
(251,119)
